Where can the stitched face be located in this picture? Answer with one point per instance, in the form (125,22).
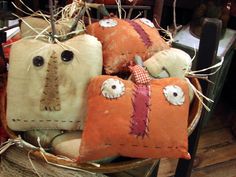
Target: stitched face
(47,82)
(143,122)
(123,39)
(169,63)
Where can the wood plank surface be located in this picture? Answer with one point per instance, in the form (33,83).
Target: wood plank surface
(226,169)
(216,155)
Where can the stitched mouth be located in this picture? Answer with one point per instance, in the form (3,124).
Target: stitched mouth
(141,107)
(163,74)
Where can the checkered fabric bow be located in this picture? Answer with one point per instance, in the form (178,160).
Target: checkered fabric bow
(140,75)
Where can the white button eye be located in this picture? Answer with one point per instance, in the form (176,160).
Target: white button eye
(112,88)
(107,23)
(147,22)
(174,94)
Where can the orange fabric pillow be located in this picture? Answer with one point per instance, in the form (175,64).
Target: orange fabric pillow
(113,127)
(123,39)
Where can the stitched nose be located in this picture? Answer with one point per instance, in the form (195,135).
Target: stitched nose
(50,98)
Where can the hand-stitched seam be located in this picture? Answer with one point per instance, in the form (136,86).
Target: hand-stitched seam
(137,52)
(63,121)
(143,35)
(139,120)
(145,146)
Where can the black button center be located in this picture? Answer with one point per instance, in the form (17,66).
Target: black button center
(67,55)
(38,61)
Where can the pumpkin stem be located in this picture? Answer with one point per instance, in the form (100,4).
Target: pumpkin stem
(52,20)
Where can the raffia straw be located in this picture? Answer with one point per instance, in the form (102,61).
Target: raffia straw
(217,65)
(20,9)
(70,33)
(19,142)
(60,44)
(44,30)
(89,16)
(94,164)
(137,16)
(198,94)
(32,164)
(69,10)
(56,22)
(167,32)
(78,17)
(202,78)
(44,16)
(205,75)
(26,23)
(195,53)
(176,28)
(43,152)
(131,9)
(37,13)
(123,12)
(41,33)
(118,2)
(59,11)
(69,47)
(4,146)
(26,6)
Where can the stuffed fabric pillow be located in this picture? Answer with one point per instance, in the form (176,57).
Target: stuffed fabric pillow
(169,63)
(47,82)
(145,121)
(123,39)
(38,24)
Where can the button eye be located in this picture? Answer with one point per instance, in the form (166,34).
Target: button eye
(107,23)
(67,55)
(147,22)
(174,94)
(38,61)
(112,88)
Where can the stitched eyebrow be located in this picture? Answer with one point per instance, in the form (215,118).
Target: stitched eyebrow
(164,68)
(156,77)
(142,33)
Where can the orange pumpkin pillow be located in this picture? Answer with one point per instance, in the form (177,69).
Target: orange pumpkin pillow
(140,121)
(123,39)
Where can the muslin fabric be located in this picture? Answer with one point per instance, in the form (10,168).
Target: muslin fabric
(61,83)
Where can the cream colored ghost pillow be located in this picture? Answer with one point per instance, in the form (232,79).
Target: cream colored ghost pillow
(170,62)
(47,82)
